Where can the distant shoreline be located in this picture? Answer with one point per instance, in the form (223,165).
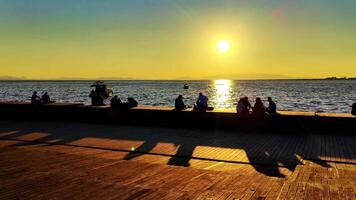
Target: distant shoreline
(301,79)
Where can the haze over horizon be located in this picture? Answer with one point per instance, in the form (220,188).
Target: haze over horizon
(217,77)
(252,76)
(89,39)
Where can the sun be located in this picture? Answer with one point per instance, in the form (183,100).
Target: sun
(223,46)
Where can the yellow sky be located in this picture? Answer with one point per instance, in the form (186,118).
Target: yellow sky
(180,43)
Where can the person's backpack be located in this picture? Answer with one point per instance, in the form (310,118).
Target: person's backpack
(353,111)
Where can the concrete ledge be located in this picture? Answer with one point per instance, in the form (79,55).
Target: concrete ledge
(286,121)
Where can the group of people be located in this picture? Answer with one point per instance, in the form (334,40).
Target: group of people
(243,105)
(200,105)
(96,98)
(116,103)
(37,100)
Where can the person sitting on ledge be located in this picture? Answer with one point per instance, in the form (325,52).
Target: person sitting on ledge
(202,103)
(259,108)
(35,99)
(247,104)
(179,104)
(45,98)
(131,102)
(241,108)
(272,108)
(115,102)
(353,111)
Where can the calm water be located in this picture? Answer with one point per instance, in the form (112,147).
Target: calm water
(311,95)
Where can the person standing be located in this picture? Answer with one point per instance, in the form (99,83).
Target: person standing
(93,97)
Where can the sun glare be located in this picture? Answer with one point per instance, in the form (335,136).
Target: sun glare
(223,46)
(222,93)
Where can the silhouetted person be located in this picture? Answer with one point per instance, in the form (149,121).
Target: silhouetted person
(115,102)
(96,99)
(35,99)
(247,104)
(353,111)
(179,104)
(100,99)
(241,108)
(272,108)
(259,108)
(131,102)
(45,98)
(202,102)
(92,95)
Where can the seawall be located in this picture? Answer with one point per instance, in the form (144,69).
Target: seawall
(285,122)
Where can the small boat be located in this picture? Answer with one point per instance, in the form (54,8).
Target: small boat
(102,89)
(186,86)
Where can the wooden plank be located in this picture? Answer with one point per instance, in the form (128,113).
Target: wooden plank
(51,171)
(295,180)
(263,188)
(275,190)
(301,190)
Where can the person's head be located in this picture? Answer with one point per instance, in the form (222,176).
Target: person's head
(180,96)
(246,98)
(130,99)
(34,92)
(117,98)
(258,100)
(200,94)
(269,99)
(45,93)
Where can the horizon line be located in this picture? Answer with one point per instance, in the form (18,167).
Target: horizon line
(132,79)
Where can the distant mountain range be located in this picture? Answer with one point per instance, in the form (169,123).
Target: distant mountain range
(65,78)
(249,76)
(12,78)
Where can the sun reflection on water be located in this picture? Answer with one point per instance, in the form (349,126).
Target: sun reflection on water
(222,93)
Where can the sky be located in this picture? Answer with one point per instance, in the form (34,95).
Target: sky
(162,39)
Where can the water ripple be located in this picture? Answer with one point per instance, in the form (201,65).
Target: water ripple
(300,95)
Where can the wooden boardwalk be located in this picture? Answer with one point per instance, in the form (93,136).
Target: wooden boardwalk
(79,161)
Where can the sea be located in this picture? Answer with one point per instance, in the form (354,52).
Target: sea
(334,96)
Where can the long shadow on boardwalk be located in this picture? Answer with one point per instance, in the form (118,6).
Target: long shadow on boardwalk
(265,151)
